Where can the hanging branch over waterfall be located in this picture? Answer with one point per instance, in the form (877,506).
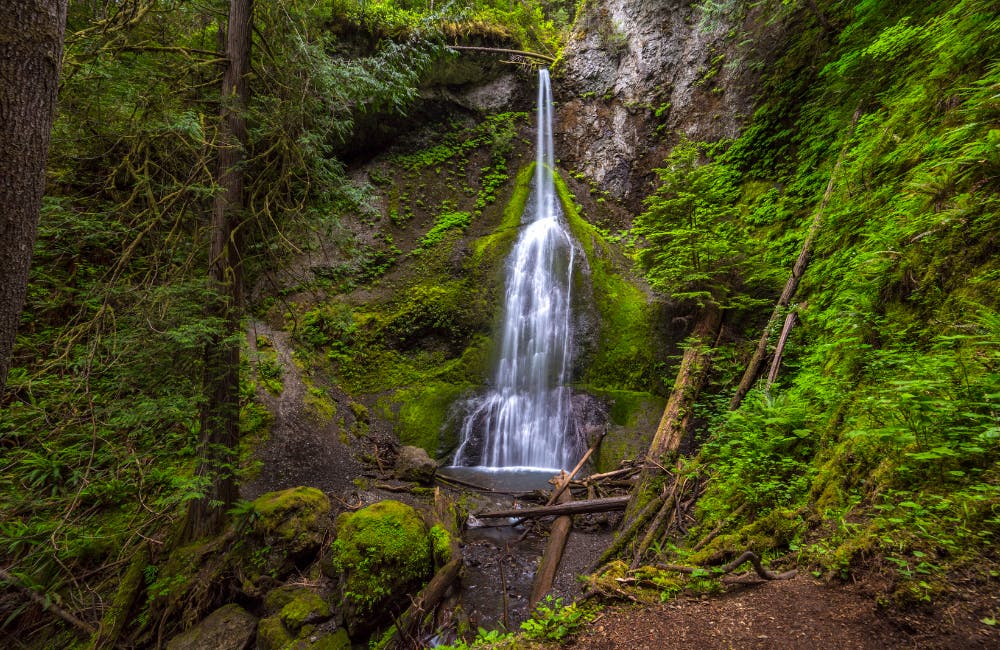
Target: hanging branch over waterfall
(501,50)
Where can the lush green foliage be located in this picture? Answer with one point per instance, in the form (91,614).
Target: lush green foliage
(692,242)
(883,424)
(554,621)
(101,419)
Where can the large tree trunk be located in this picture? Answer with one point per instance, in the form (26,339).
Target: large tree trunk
(690,377)
(31,39)
(220,414)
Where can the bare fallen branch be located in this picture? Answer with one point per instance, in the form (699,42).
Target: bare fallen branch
(606,504)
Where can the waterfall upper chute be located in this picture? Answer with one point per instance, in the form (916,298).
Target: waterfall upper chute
(525,418)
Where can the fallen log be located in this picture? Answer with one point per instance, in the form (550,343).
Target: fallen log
(565,482)
(558,534)
(690,377)
(502,50)
(606,504)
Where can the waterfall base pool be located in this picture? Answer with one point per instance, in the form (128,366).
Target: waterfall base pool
(502,479)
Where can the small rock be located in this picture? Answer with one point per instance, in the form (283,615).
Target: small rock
(228,628)
(414,464)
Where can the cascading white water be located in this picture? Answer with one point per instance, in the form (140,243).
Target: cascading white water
(525,418)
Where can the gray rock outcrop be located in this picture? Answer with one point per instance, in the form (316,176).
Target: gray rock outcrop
(637,75)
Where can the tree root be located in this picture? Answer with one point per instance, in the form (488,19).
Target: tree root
(750,556)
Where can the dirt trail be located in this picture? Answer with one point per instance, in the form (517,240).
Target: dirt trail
(781,615)
(300,450)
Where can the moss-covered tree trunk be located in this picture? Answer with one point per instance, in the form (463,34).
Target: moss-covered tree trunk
(220,413)
(31,39)
(690,378)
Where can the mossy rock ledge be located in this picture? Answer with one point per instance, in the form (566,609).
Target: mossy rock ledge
(382,553)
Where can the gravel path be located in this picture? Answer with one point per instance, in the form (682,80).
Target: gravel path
(300,450)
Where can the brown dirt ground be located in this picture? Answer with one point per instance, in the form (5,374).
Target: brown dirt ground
(780,615)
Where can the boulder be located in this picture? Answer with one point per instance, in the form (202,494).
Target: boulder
(382,553)
(414,464)
(228,628)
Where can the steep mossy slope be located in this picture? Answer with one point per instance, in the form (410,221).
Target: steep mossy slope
(877,447)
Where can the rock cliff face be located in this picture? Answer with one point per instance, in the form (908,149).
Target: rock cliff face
(637,75)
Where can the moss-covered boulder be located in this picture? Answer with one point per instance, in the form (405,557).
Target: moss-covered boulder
(287,531)
(228,628)
(382,553)
(297,606)
(295,613)
(292,518)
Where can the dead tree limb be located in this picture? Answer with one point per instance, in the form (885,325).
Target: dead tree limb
(606,504)
(43,602)
(558,534)
(779,349)
(747,556)
(757,360)
(426,601)
(596,478)
(565,482)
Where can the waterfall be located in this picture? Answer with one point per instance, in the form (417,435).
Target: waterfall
(525,418)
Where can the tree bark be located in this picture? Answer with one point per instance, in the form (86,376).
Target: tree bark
(31,40)
(606,504)
(690,377)
(220,414)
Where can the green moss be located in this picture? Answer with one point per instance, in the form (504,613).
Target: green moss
(336,641)
(306,606)
(422,413)
(272,635)
(626,356)
(440,545)
(382,552)
(318,405)
(490,249)
(291,515)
